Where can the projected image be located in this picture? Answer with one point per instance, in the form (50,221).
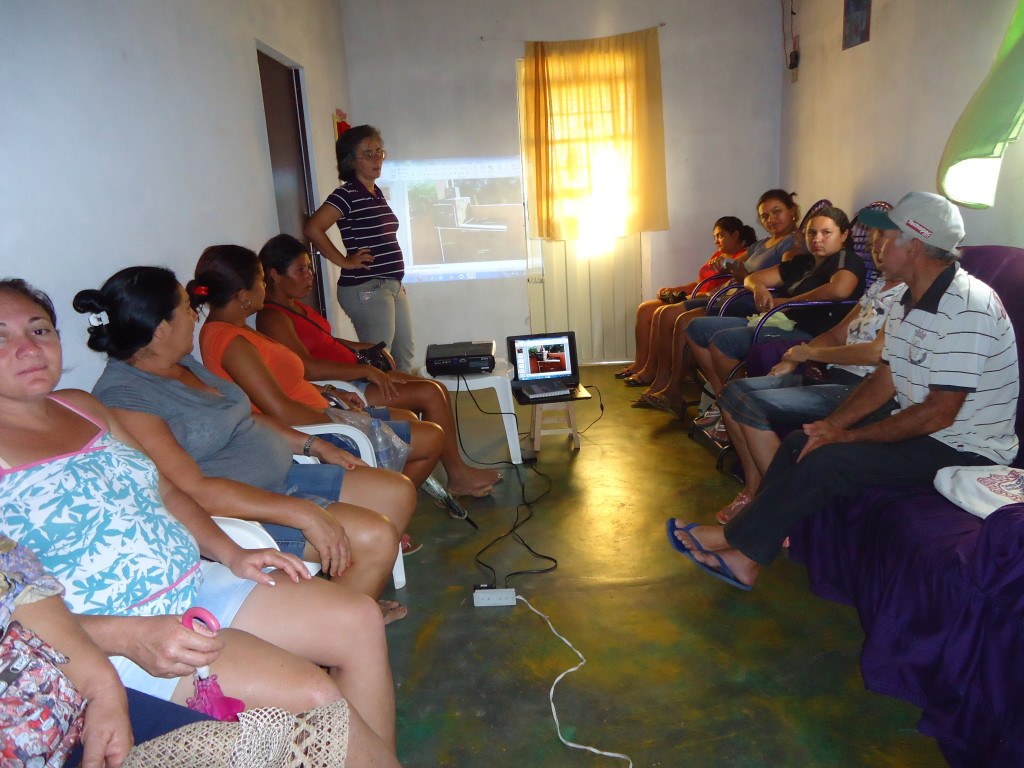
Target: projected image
(459,219)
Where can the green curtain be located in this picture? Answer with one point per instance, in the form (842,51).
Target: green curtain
(970,164)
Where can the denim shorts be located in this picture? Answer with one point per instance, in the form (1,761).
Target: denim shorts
(400,428)
(319,483)
(702,329)
(733,337)
(780,402)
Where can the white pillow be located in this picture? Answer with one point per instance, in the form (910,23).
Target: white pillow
(981,490)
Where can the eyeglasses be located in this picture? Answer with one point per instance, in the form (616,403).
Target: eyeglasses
(372,154)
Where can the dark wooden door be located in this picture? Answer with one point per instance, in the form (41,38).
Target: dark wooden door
(289,154)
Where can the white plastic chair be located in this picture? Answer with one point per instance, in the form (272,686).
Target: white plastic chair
(340,384)
(361,441)
(249,534)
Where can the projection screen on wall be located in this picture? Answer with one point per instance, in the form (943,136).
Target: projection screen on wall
(460,219)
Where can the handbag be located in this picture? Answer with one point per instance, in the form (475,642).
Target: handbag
(40,708)
(371,355)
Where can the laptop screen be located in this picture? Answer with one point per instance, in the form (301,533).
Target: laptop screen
(542,357)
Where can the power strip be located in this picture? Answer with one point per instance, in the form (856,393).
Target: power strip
(488,596)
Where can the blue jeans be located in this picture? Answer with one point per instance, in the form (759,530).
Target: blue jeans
(379,311)
(793,490)
(733,336)
(780,402)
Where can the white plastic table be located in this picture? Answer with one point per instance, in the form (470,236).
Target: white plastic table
(500,381)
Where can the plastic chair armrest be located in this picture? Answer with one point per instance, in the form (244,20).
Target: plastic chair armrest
(249,534)
(361,441)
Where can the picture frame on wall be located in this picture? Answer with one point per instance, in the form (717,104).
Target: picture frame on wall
(856,22)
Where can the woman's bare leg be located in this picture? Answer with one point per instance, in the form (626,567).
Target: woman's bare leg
(679,367)
(762,444)
(667,321)
(663,318)
(702,356)
(391,495)
(426,445)
(334,627)
(642,333)
(373,547)
(262,674)
(721,366)
(365,748)
(432,401)
(737,436)
(375,508)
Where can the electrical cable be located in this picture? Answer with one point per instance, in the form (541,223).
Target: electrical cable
(461,379)
(551,692)
(519,521)
(514,533)
(600,401)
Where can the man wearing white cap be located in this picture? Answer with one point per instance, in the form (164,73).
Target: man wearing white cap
(950,360)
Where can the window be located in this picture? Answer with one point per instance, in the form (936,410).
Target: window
(594,137)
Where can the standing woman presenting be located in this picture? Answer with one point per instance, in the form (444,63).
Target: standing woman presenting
(370,287)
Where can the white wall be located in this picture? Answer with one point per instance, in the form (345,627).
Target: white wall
(438,78)
(871,122)
(133,133)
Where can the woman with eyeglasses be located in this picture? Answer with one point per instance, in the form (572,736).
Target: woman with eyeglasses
(370,288)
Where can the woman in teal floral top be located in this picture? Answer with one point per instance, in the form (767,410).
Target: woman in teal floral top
(103,486)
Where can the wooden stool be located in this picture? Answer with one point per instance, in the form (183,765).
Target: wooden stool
(538,421)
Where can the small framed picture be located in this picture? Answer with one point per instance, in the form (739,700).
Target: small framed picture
(856,22)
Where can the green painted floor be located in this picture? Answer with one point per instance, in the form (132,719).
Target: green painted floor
(682,670)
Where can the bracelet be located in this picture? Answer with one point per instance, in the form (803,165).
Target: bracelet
(328,388)
(309,443)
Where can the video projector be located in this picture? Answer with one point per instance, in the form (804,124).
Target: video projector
(460,358)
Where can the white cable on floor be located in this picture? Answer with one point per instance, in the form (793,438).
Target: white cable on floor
(551,693)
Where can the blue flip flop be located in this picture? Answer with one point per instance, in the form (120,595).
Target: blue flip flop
(724,574)
(672,526)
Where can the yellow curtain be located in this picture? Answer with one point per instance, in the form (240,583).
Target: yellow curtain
(594,137)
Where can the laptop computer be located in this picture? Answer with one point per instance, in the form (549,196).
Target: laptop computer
(546,368)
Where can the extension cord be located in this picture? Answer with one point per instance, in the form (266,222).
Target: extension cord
(487,596)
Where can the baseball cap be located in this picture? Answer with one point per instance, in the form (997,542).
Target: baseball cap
(930,218)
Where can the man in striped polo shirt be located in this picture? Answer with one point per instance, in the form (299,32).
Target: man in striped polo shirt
(950,360)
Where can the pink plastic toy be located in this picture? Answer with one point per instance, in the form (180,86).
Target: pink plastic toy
(209,698)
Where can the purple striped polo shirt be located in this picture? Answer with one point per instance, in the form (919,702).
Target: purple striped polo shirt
(367,221)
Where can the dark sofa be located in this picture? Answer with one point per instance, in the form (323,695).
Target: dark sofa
(940,592)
